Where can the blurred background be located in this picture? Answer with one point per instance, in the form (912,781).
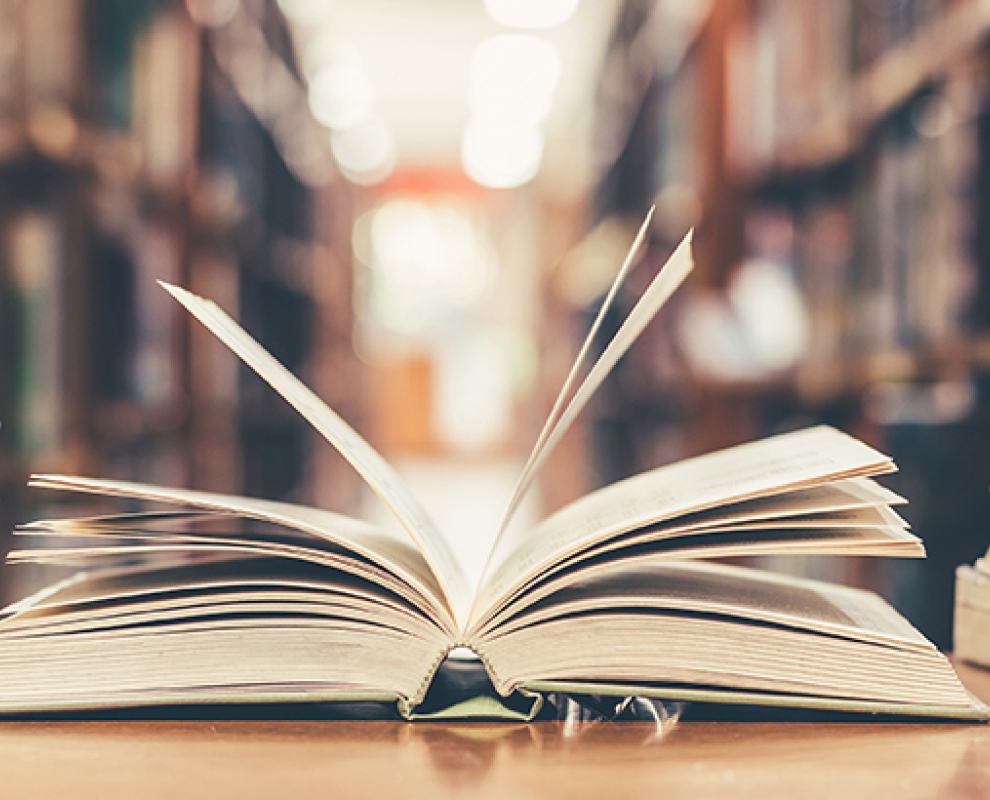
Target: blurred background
(417,207)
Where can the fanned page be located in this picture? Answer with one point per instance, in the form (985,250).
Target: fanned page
(380,476)
(671,275)
(727,634)
(391,551)
(756,595)
(787,462)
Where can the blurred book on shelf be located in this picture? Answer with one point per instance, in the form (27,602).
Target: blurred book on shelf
(129,154)
(971,623)
(37,309)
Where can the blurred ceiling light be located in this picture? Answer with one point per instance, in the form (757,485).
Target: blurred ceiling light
(513,76)
(365,152)
(212,13)
(405,243)
(340,96)
(428,263)
(324,48)
(418,245)
(531,13)
(306,12)
(501,156)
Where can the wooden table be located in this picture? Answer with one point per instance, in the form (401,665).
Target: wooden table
(294,759)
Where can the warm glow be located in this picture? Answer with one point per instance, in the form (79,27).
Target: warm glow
(501,156)
(531,13)
(365,152)
(513,76)
(306,12)
(212,13)
(427,263)
(428,246)
(326,48)
(340,95)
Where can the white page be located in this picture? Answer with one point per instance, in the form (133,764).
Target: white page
(671,275)
(892,541)
(395,553)
(525,477)
(718,588)
(790,461)
(363,457)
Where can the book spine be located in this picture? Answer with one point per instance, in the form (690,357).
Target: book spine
(34,262)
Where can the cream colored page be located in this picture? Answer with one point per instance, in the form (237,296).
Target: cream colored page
(113,552)
(883,541)
(363,457)
(675,535)
(671,275)
(783,527)
(131,596)
(125,586)
(789,461)
(738,591)
(847,495)
(393,552)
(565,391)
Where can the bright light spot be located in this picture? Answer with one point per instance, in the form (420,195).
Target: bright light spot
(514,76)
(773,318)
(474,398)
(340,96)
(501,156)
(212,13)
(365,152)
(419,246)
(325,48)
(531,13)
(306,12)
(428,264)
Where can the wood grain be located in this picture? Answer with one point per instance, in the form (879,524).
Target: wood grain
(303,758)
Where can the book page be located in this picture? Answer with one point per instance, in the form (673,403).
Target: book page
(789,528)
(837,496)
(773,524)
(736,591)
(114,553)
(118,596)
(671,275)
(379,475)
(393,552)
(699,626)
(790,461)
(245,630)
(890,540)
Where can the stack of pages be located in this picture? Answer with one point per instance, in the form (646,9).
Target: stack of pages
(205,598)
(971,622)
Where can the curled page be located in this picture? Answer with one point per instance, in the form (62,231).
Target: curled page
(671,275)
(379,475)
(391,551)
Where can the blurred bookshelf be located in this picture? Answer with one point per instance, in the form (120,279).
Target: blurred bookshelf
(833,158)
(132,149)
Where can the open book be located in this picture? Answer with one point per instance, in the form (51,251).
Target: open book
(205,598)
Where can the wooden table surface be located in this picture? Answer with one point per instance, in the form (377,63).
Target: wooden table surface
(297,759)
